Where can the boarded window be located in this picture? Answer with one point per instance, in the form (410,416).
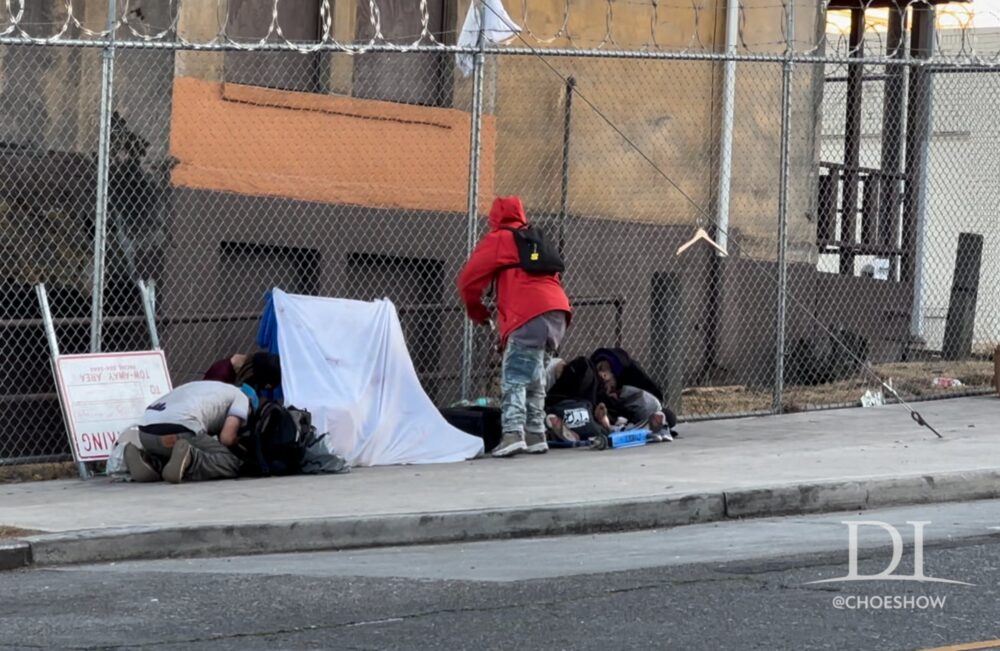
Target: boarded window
(249,21)
(409,78)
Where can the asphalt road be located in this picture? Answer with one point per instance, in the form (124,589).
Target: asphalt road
(733,585)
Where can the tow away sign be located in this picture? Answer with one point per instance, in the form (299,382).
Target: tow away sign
(101,394)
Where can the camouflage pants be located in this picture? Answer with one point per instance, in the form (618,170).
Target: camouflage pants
(210,459)
(522,408)
(522,381)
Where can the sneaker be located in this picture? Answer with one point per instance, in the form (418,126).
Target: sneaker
(559,430)
(534,443)
(139,467)
(510,444)
(180,460)
(665,435)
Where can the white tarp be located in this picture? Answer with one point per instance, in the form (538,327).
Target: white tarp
(347,363)
(497,28)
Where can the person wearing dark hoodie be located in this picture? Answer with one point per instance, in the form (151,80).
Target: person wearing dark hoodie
(533,314)
(631,397)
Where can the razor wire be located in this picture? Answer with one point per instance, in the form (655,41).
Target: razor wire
(562,31)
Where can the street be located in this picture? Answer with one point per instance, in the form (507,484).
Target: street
(730,585)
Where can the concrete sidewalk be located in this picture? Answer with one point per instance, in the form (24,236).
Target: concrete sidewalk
(799,463)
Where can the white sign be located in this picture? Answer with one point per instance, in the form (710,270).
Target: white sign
(103,393)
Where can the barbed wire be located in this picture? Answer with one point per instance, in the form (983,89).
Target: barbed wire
(957,38)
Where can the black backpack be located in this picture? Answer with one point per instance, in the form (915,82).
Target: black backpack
(536,253)
(277,441)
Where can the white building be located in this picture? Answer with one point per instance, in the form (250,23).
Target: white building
(963,189)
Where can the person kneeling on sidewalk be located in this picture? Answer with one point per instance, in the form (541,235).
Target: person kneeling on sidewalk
(187,435)
(534,313)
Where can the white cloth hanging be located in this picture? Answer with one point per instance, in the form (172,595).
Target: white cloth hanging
(347,363)
(498,28)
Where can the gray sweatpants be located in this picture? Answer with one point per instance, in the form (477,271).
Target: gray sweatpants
(639,405)
(210,459)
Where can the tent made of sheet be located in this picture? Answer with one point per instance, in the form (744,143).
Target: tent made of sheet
(347,363)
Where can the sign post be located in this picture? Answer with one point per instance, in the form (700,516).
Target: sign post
(101,394)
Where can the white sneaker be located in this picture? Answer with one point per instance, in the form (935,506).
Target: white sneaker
(535,443)
(509,445)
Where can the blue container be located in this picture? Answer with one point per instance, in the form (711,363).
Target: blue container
(629,439)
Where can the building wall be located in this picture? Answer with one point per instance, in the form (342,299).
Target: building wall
(670,110)
(50,96)
(334,250)
(962,194)
(338,150)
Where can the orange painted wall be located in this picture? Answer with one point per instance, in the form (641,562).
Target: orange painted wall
(330,149)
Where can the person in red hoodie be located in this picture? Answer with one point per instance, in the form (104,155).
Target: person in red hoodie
(534,313)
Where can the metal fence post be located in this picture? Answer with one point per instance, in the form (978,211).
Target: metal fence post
(53,340)
(147,292)
(919,127)
(782,289)
(103,155)
(564,176)
(475,143)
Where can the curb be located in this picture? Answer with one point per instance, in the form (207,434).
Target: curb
(15,555)
(104,545)
(821,497)
(323,534)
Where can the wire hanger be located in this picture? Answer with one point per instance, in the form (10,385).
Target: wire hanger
(701,234)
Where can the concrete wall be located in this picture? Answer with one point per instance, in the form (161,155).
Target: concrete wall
(49,117)
(338,251)
(50,96)
(339,150)
(669,110)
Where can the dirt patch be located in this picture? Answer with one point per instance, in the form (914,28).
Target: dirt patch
(911,379)
(37,472)
(14,532)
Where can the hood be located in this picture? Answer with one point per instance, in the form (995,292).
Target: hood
(507,212)
(616,357)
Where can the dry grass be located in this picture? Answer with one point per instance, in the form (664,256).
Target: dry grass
(14,532)
(37,472)
(910,379)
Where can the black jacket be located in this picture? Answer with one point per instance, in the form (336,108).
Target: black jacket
(627,371)
(577,382)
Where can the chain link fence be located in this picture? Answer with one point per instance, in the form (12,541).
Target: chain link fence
(856,201)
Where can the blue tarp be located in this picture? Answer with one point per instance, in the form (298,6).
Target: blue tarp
(267,338)
(267,331)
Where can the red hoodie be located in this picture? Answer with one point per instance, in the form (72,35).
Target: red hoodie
(520,296)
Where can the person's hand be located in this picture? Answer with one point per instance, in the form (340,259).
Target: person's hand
(478,314)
